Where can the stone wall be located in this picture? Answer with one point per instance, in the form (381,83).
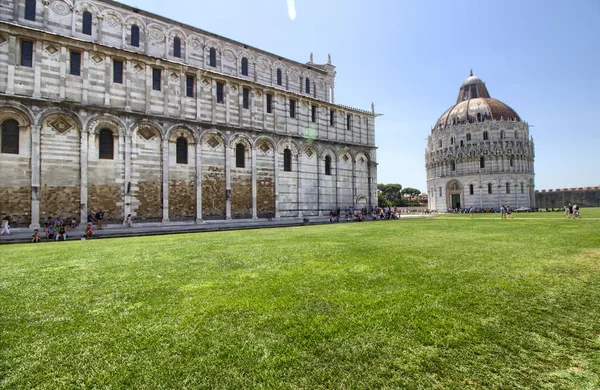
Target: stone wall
(107,198)
(16,203)
(584,197)
(182,200)
(146,177)
(213,193)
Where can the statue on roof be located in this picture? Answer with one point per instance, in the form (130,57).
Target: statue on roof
(311,56)
(471,73)
(329,59)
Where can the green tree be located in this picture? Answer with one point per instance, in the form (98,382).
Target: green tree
(390,195)
(411,192)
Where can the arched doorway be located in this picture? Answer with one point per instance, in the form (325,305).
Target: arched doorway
(454,193)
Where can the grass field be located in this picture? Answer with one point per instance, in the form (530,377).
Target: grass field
(447,302)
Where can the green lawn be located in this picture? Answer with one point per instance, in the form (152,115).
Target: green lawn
(447,302)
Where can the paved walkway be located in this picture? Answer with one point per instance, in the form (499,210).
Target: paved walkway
(23,235)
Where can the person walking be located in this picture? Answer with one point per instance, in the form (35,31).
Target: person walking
(503,212)
(100,218)
(509,212)
(5,229)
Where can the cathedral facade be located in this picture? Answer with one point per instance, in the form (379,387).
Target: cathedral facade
(479,154)
(107,107)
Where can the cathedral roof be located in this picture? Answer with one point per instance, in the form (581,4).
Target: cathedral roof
(474,104)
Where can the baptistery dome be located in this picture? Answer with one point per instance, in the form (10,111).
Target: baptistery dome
(479,154)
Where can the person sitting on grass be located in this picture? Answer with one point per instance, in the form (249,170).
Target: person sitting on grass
(62,234)
(35,237)
(89,231)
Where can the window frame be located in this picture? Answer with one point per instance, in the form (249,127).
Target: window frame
(468,137)
(10,137)
(30,10)
(490,190)
(331,117)
(307,85)
(287,160)
(240,155)
(471,189)
(104,146)
(27,49)
(86,24)
(348,121)
(177,47)
(212,57)
(220,92)
(244,66)
(279,76)
(481,162)
(156,79)
(181,150)
(269,107)
(313,113)
(118,73)
(190,85)
(507,187)
(328,165)
(246,98)
(74,66)
(486,136)
(135,33)
(292,108)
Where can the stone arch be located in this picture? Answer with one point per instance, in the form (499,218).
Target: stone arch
(454,194)
(156,32)
(293,74)
(133,19)
(290,144)
(177,131)
(195,42)
(147,130)
(83,6)
(209,135)
(44,115)
(262,139)
(347,152)
(309,151)
(230,55)
(61,122)
(213,43)
(278,65)
(110,122)
(246,53)
(17,112)
(361,154)
(111,12)
(176,31)
(240,138)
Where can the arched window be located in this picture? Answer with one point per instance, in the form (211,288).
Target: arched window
(135,36)
(107,145)
(177,47)
(240,156)
(482,162)
(30,10)
(451,140)
(453,165)
(512,161)
(287,160)
(508,188)
(213,57)
(468,136)
(485,135)
(307,85)
(489,188)
(478,117)
(10,136)
(471,189)
(501,134)
(440,143)
(522,188)
(279,77)
(87,23)
(244,66)
(182,150)
(328,165)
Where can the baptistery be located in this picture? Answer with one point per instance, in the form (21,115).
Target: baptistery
(479,154)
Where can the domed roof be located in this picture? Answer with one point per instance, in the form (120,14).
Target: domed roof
(474,104)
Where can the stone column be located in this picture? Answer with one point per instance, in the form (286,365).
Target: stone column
(107,79)
(63,72)
(83,166)
(46,3)
(35,177)
(37,70)
(226,97)
(74,14)
(16,11)
(299,185)
(148,89)
(337,184)
(13,61)
(123,35)
(128,80)
(99,29)
(254,184)
(165,183)
(146,41)
(354,191)
(84,77)
(128,162)
(199,182)
(276,171)
(227,181)
(198,96)
(165,91)
(319,186)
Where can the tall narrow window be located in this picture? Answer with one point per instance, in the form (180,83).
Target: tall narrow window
(313,113)
(451,140)
(292,108)
(177,47)
(307,85)
(135,36)
(87,23)
(156,79)
(522,188)
(348,121)
(468,136)
(246,98)
(508,188)
(328,165)
(181,147)
(453,165)
(220,87)
(107,145)
(485,135)
(501,134)
(482,162)
(512,161)
(75,68)
(118,72)
(10,136)
(331,117)
(287,160)
(471,189)
(244,66)
(240,156)
(279,77)
(269,103)
(489,188)
(190,81)
(26,53)
(213,57)
(30,9)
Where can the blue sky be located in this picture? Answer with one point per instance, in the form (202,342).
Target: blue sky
(410,57)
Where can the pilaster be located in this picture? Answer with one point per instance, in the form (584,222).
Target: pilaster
(227,181)
(276,170)
(83,164)
(35,177)
(199,182)
(299,183)
(165,184)
(84,77)
(254,188)
(12,63)
(128,164)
